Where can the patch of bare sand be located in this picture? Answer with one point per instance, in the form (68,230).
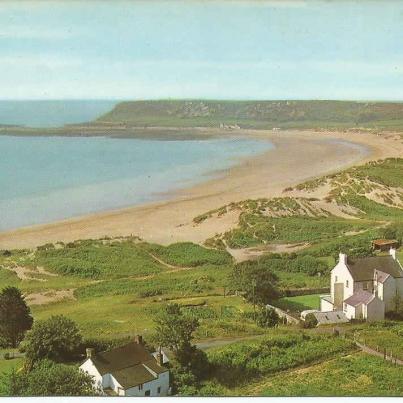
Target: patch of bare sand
(42,298)
(298,156)
(240,255)
(28,273)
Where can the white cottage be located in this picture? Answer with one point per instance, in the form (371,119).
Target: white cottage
(129,370)
(364,288)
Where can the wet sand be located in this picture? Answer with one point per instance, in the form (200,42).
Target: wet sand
(298,156)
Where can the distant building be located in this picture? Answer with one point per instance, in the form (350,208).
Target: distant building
(384,244)
(364,288)
(129,370)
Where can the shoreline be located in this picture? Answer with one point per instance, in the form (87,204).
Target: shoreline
(298,156)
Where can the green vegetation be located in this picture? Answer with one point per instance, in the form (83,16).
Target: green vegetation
(96,259)
(187,254)
(381,336)
(15,317)
(56,338)
(47,379)
(354,375)
(243,361)
(256,114)
(299,303)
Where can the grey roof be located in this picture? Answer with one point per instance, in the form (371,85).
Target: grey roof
(381,276)
(129,364)
(362,269)
(327,318)
(359,297)
(327,298)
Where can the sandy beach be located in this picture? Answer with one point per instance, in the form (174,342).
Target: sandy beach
(298,156)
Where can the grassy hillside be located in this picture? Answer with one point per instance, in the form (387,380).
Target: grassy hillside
(257,114)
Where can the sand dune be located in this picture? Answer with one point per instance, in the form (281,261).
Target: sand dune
(299,155)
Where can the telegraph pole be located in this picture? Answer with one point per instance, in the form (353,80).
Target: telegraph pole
(254,299)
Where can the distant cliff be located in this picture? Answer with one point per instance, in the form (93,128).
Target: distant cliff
(256,114)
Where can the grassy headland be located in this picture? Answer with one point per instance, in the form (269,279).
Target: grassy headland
(284,114)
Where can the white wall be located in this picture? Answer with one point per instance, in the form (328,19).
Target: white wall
(350,312)
(88,367)
(325,306)
(162,381)
(341,274)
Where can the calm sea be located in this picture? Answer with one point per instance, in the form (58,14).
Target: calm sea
(52,113)
(43,179)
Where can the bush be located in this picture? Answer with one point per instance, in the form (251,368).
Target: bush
(310,321)
(56,338)
(48,379)
(267,317)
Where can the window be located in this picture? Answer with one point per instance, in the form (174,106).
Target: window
(159,389)
(346,283)
(147,393)
(335,279)
(345,307)
(141,387)
(365,286)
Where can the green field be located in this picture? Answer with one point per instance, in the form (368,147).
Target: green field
(283,349)
(299,303)
(354,375)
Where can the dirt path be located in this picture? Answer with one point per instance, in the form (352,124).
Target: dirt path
(27,273)
(371,351)
(169,266)
(48,297)
(207,344)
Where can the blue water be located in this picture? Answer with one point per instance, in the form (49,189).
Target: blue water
(43,179)
(52,113)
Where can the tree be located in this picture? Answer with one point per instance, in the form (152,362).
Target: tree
(48,379)
(15,316)
(257,282)
(268,317)
(57,338)
(174,329)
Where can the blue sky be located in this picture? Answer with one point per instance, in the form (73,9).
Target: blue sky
(201,49)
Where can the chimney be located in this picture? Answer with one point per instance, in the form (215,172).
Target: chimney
(138,339)
(342,258)
(90,352)
(392,252)
(160,358)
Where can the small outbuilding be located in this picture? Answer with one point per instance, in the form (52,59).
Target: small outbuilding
(384,244)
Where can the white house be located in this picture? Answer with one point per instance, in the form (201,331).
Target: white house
(364,288)
(129,370)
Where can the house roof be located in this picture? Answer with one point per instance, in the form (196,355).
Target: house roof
(130,365)
(359,297)
(381,276)
(327,318)
(382,242)
(362,269)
